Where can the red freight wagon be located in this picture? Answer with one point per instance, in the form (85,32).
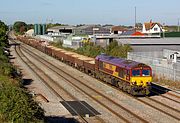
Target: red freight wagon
(68,57)
(57,53)
(48,50)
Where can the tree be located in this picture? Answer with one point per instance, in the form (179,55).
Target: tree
(20,27)
(139,25)
(30,26)
(3,37)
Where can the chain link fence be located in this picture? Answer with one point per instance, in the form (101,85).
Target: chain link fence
(161,65)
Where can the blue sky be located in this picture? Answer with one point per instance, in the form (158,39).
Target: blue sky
(117,12)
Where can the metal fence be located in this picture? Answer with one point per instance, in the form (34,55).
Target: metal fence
(161,66)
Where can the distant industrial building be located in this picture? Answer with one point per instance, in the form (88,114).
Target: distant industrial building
(118,30)
(60,30)
(90,30)
(73,41)
(81,30)
(39,29)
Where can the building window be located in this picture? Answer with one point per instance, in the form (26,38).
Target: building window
(155,29)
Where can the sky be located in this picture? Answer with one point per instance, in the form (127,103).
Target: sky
(116,12)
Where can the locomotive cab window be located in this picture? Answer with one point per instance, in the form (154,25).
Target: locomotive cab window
(135,72)
(145,72)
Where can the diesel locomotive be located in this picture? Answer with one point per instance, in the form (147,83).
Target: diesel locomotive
(130,76)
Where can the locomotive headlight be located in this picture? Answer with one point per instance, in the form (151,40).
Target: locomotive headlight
(134,83)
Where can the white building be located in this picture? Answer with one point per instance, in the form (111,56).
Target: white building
(152,27)
(30,32)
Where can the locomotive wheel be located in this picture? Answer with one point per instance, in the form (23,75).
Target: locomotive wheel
(120,85)
(129,89)
(132,92)
(124,86)
(147,91)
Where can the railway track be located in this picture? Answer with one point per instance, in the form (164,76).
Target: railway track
(158,91)
(44,79)
(161,110)
(174,113)
(105,98)
(173,95)
(153,106)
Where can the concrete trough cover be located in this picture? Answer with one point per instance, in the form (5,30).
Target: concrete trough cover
(81,107)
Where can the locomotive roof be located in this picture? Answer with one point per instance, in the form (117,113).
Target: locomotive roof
(118,61)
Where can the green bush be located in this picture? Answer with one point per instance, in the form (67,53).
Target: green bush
(90,50)
(113,50)
(171,34)
(118,50)
(57,44)
(16,105)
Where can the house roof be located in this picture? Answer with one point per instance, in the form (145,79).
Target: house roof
(62,27)
(89,26)
(150,25)
(137,34)
(129,32)
(118,28)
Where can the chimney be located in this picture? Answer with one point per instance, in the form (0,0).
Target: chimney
(150,23)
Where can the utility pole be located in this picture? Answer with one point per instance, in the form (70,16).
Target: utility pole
(135,20)
(163,30)
(178,25)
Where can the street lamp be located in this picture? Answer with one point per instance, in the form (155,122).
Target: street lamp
(135,20)
(94,34)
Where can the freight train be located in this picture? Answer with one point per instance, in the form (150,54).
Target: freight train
(127,75)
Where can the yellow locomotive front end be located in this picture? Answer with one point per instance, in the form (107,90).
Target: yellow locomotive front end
(140,79)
